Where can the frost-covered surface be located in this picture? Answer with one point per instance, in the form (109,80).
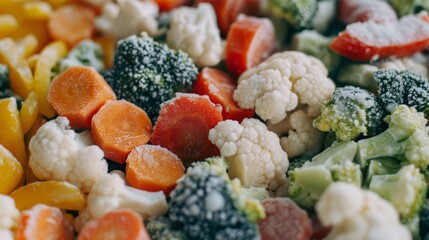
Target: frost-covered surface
(375,10)
(195,31)
(9,217)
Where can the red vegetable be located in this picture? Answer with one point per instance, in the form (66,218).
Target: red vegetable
(167,5)
(250,40)
(350,11)
(369,40)
(219,86)
(183,127)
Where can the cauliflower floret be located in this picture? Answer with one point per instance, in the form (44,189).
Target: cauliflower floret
(9,217)
(128,17)
(297,134)
(254,153)
(59,153)
(354,213)
(303,75)
(195,31)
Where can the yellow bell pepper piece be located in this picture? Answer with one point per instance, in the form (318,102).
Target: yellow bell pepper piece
(28,45)
(10,171)
(42,74)
(32,61)
(21,78)
(29,112)
(8,23)
(108,45)
(37,10)
(58,194)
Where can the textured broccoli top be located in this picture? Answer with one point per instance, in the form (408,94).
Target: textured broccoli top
(298,13)
(147,73)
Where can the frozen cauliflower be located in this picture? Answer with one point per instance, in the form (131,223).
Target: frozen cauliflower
(9,217)
(195,31)
(254,153)
(283,82)
(59,153)
(128,17)
(354,213)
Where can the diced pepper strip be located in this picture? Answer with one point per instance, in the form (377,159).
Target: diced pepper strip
(28,45)
(37,10)
(29,112)
(10,171)
(42,75)
(7,23)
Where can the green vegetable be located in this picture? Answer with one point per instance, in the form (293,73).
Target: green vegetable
(424,220)
(382,166)
(147,73)
(404,7)
(4,77)
(299,13)
(163,228)
(351,112)
(324,16)
(357,74)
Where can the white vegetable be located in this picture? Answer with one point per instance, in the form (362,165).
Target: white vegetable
(9,217)
(354,213)
(59,153)
(195,31)
(254,153)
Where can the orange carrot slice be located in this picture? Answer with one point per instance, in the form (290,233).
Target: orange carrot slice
(183,127)
(153,168)
(120,126)
(167,5)
(119,224)
(72,23)
(250,40)
(78,93)
(219,86)
(44,222)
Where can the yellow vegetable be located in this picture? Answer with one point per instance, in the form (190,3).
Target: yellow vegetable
(10,171)
(29,112)
(52,193)
(28,45)
(37,10)
(8,23)
(42,74)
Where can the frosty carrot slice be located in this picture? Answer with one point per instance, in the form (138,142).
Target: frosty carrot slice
(250,40)
(118,127)
(153,168)
(78,93)
(219,86)
(183,127)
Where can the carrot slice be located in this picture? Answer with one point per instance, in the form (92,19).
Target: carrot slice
(78,93)
(250,40)
(72,23)
(44,222)
(183,127)
(120,126)
(120,224)
(167,5)
(219,86)
(153,168)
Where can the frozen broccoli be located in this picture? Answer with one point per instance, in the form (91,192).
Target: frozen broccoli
(147,73)
(406,138)
(424,220)
(163,228)
(335,163)
(404,7)
(351,112)
(209,206)
(298,13)
(357,74)
(382,166)
(4,77)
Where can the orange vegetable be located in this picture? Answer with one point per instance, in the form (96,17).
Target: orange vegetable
(120,224)
(183,127)
(120,126)
(72,23)
(78,93)
(219,86)
(250,40)
(153,168)
(44,222)
(167,5)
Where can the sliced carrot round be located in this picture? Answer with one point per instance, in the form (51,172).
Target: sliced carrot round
(183,127)
(153,168)
(120,224)
(78,93)
(118,127)
(44,222)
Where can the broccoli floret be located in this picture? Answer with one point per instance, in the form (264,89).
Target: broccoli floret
(209,205)
(382,166)
(162,228)
(333,164)
(86,53)
(358,74)
(147,73)
(299,13)
(424,220)
(4,77)
(297,162)
(404,7)
(406,190)
(351,112)
(396,88)
(406,138)
(317,45)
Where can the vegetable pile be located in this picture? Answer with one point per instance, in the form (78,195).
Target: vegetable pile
(214,119)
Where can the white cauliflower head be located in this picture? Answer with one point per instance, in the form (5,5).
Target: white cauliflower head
(294,79)
(254,153)
(195,31)
(9,217)
(354,213)
(59,153)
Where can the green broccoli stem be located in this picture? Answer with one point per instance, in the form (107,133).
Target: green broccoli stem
(381,166)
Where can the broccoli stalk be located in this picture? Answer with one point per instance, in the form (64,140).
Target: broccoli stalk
(163,228)
(406,138)
(299,13)
(381,166)
(358,74)
(308,182)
